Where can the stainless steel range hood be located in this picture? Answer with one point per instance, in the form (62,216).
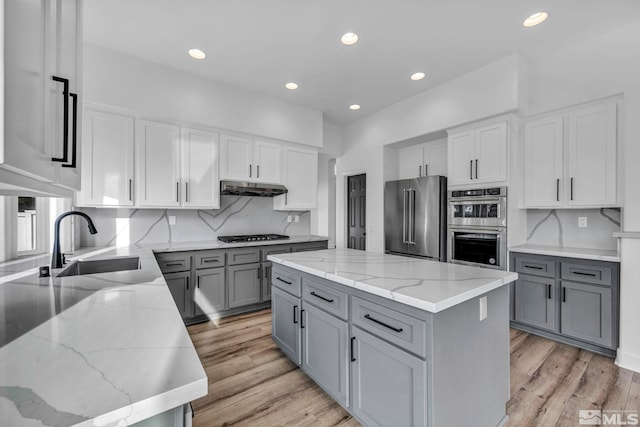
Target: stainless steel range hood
(238,188)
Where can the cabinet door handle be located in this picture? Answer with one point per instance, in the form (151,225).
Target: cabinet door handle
(321,297)
(571,188)
(74,132)
(186,191)
(65,119)
(548,291)
(564,294)
(286,198)
(353,358)
(130,190)
(249,171)
(295,309)
(284,281)
(470,169)
(259,270)
(393,328)
(558,190)
(476,168)
(426,169)
(177,192)
(301,319)
(419,170)
(187,282)
(257,171)
(198,281)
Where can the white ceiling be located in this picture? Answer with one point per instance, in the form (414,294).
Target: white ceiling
(259,45)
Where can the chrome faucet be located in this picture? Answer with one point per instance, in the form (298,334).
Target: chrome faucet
(56,258)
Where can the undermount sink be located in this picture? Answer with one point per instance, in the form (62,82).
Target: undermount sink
(108,265)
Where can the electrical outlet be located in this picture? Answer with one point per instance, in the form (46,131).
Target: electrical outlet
(296,218)
(172,220)
(582,221)
(289,218)
(483,308)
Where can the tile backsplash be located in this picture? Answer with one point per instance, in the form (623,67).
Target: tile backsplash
(559,227)
(237,215)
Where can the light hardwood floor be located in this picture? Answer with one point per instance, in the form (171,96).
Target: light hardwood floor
(252,383)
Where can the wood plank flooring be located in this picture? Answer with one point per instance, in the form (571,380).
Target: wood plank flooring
(251,383)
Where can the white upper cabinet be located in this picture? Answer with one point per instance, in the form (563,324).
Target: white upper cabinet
(570,158)
(243,159)
(543,162)
(157,164)
(301,179)
(478,155)
(43,40)
(107,158)
(591,155)
(200,169)
(426,159)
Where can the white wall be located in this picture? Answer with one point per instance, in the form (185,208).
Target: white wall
(124,81)
(489,91)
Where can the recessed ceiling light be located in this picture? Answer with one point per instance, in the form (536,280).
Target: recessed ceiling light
(535,19)
(354,107)
(417,76)
(197,54)
(291,86)
(349,38)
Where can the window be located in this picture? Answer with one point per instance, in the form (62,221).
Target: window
(31,229)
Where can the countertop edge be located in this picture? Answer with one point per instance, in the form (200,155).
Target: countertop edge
(565,252)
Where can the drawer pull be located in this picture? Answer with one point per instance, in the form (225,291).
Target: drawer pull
(174,264)
(321,297)
(535,267)
(295,309)
(284,281)
(366,316)
(353,339)
(207,261)
(580,273)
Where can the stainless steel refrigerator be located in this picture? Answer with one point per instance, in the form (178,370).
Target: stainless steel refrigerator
(415,217)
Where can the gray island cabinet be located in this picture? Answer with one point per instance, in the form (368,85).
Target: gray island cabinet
(397,341)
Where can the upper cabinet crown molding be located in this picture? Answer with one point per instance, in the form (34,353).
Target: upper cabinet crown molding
(571,157)
(42,113)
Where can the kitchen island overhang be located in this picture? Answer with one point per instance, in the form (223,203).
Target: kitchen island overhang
(418,319)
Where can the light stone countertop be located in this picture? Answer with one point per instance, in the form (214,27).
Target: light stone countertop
(106,349)
(428,285)
(581,253)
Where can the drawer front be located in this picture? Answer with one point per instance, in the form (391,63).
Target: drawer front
(536,267)
(287,280)
(174,262)
(243,256)
(404,331)
(598,273)
(309,246)
(279,249)
(327,298)
(210,259)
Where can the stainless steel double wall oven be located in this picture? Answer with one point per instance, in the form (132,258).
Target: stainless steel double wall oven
(477,224)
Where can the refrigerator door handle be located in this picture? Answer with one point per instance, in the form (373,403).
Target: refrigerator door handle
(404,215)
(412,216)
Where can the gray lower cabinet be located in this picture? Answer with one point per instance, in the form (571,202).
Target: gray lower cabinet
(285,323)
(210,295)
(584,312)
(244,284)
(180,290)
(265,284)
(325,356)
(389,386)
(535,302)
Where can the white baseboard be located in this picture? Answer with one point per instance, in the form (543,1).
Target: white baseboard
(628,361)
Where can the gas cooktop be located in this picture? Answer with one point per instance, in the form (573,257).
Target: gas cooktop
(252,238)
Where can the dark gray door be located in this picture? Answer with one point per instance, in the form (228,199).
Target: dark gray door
(535,301)
(210,295)
(285,323)
(244,284)
(324,351)
(586,312)
(389,385)
(357,211)
(181,292)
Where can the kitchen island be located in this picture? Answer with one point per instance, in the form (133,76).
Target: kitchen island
(396,340)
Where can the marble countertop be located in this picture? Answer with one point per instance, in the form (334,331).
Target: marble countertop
(428,285)
(594,254)
(104,349)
